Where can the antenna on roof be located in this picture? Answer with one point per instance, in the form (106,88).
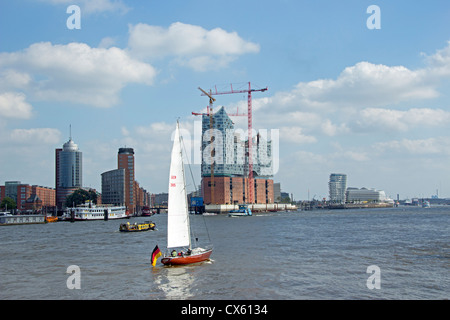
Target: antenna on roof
(70,132)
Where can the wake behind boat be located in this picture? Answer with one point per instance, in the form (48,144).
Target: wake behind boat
(178,224)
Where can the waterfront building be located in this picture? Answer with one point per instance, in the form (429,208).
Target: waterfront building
(224,165)
(11,189)
(356,195)
(277,192)
(337,186)
(125,160)
(160,199)
(113,187)
(28,197)
(119,186)
(68,171)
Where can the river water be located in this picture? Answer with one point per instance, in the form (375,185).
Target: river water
(269,256)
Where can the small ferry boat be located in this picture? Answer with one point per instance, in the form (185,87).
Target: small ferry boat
(146,212)
(426,204)
(243,210)
(136,227)
(51,219)
(90,211)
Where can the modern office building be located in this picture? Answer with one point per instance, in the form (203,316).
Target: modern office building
(125,160)
(68,171)
(356,195)
(225,166)
(119,186)
(277,192)
(11,189)
(113,187)
(337,187)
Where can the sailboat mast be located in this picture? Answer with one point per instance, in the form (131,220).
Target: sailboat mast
(184,186)
(178,227)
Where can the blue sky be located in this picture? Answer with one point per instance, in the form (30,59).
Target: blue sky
(373,104)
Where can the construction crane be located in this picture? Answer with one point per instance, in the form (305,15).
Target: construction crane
(210,114)
(249,91)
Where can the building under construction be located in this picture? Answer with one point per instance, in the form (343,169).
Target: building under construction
(227,175)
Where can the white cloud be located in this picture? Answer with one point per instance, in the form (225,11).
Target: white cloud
(75,72)
(362,85)
(36,136)
(13,105)
(107,42)
(308,158)
(11,79)
(397,120)
(362,98)
(439,63)
(189,45)
(330,129)
(438,145)
(295,135)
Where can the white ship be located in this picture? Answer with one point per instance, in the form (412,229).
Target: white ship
(90,211)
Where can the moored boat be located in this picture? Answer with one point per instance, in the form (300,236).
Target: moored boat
(243,210)
(90,211)
(136,227)
(49,219)
(426,204)
(147,212)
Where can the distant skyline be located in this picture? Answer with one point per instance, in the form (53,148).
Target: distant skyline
(373,104)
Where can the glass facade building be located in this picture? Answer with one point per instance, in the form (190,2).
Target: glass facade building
(225,149)
(69,171)
(113,187)
(337,187)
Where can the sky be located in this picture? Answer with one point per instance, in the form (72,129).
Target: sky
(350,90)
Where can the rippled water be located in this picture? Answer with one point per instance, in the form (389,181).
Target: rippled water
(296,255)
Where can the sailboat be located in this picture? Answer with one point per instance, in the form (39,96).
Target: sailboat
(178,224)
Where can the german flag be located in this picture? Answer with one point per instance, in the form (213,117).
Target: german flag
(155,255)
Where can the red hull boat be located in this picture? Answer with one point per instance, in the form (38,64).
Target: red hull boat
(178,224)
(187,259)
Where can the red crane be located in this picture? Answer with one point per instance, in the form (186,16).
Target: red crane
(249,91)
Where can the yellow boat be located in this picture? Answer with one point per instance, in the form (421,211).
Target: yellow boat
(135,227)
(50,219)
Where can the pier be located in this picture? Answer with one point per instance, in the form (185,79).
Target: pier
(21,219)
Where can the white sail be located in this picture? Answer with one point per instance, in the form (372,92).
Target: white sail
(178,233)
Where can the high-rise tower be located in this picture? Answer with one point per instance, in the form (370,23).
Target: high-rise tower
(337,187)
(125,160)
(68,171)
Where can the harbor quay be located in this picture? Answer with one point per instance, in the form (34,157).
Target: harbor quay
(9,220)
(268,207)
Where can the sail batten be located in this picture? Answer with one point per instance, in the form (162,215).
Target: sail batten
(178,233)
